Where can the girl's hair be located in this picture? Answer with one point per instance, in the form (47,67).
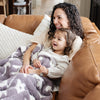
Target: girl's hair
(70,37)
(73,17)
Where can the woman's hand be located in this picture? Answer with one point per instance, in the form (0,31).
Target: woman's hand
(26,58)
(24,69)
(30,70)
(36,63)
(44,70)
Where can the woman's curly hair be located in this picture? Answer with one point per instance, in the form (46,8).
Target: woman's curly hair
(73,17)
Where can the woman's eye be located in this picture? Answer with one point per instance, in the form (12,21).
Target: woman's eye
(59,17)
(53,17)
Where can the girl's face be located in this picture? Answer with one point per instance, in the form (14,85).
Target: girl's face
(60,19)
(59,43)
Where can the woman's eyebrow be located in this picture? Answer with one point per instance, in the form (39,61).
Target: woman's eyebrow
(59,15)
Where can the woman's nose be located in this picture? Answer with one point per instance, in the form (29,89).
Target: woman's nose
(55,21)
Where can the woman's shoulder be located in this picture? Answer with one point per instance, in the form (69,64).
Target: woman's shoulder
(78,39)
(77,42)
(76,46)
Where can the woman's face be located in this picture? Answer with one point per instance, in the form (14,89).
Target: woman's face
(60,19)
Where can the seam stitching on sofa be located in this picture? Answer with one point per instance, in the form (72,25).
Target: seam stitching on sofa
(92,55)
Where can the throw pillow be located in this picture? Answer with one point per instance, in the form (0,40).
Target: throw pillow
(41,32)
(43,26)
(11,39)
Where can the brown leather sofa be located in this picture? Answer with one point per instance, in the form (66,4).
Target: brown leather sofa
(81,81)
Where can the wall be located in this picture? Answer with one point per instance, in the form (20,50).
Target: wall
(85,8)
(40,7)
(82,5)
(75,2)
(47,5)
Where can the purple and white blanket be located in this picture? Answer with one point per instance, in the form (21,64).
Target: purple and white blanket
(20,86)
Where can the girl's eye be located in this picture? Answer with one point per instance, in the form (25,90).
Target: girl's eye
(59,39)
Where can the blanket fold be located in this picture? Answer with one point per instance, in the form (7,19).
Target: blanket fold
(21,86)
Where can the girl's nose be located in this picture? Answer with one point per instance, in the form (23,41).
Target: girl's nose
(54,40)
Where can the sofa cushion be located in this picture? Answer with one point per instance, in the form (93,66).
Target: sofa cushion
(11,39)
(24,23)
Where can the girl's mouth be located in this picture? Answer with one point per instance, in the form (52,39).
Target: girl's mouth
(54,44)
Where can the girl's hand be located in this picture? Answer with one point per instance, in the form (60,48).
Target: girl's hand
(44,70)
(36,63)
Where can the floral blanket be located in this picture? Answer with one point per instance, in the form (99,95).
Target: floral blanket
(20,86)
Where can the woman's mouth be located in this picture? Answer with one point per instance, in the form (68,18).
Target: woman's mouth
(58,26)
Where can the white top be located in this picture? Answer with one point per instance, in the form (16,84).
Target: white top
(43,39)
(58,63)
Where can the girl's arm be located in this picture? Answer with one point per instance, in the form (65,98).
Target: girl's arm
(26,58)
(58,70)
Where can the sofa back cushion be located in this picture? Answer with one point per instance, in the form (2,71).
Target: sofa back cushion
(24,23)
(28,23)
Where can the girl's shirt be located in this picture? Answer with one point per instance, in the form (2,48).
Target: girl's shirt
(56,64)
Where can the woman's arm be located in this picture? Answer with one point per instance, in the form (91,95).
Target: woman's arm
(26,58)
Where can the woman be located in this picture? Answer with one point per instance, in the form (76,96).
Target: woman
(25,86)
(64,15)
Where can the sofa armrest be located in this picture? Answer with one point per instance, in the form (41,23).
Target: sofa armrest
(2,18)
(96,28)
(94,94)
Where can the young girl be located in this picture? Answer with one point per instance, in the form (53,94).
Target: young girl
(55,57)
